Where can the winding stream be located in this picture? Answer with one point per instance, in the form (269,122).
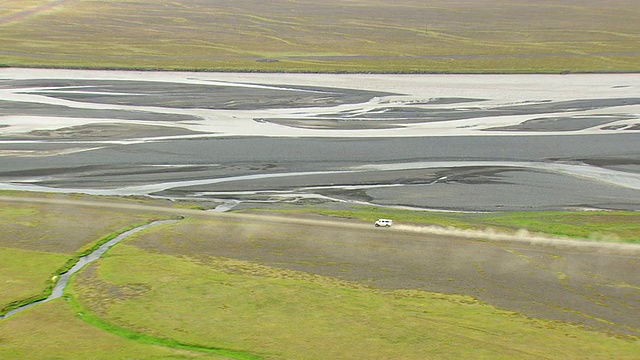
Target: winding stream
(63,280)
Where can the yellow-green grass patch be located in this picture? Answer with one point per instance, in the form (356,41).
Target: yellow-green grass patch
(407,36)
(231,304)
(25,273)
(54,330)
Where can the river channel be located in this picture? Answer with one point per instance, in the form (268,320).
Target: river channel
(429,142)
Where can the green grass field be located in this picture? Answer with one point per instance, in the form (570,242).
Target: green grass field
(24,273)
(167,302)
(483,36)
(53,330)
(218,303)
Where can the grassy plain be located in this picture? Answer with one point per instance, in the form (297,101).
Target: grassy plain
(593,225)
(281,314)
(24,273)
(53,330)
(173,300)
(330,36)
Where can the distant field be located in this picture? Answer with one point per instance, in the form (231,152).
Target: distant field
(327,36)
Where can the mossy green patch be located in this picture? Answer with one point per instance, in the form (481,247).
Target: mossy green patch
(54,330)
(24,273)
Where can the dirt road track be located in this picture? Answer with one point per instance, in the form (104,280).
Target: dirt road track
(485,236)
(587,283)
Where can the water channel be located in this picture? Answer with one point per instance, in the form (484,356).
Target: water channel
(63,280)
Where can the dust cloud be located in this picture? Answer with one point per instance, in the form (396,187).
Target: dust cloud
(523,236)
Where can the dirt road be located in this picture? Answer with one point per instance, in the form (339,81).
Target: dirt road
(587,283)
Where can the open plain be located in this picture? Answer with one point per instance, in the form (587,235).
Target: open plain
(240,286)
(244,286)
(480,36)
(515,198)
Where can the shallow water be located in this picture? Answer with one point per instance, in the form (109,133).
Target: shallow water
(338,138)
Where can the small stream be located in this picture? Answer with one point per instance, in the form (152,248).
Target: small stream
(62,281)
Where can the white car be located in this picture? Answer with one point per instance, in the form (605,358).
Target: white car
(384,222)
